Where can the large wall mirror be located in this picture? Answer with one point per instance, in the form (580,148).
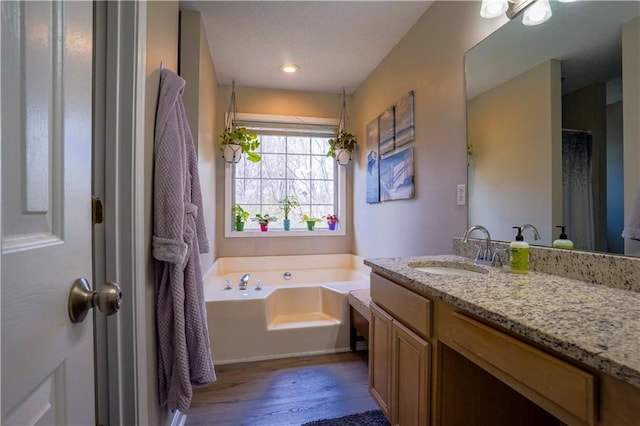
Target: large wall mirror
(545,125)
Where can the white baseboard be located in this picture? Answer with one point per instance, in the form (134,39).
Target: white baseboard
(281,356)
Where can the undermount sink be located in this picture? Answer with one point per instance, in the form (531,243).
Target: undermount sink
(449,268)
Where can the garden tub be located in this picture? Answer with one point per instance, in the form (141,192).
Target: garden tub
(301,309)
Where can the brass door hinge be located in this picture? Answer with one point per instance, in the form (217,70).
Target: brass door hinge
(97,212)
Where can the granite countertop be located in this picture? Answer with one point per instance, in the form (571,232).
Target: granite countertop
(596,325)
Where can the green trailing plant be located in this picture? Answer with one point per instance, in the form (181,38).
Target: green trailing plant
(247,141)
(287,204)
(344,140)
(240,214)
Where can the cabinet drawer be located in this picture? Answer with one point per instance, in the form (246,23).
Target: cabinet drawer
(413,310)
(560,388)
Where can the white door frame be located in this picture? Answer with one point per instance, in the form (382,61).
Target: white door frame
(122,373)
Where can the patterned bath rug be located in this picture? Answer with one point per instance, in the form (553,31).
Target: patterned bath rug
(368,418)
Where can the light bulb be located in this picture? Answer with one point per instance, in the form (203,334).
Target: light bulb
(493,8)
(537,13)
(290,68)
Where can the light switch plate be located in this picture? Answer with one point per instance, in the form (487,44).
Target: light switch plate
(461,194)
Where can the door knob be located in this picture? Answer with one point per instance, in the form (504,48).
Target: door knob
(81,298)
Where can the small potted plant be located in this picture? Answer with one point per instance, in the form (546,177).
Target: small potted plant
(234,143)
(287,204)
(241,216)
(332,220)
(341,147)
(264,220)
(310,221)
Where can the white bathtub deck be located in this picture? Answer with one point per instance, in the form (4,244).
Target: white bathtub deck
(311,319)
(307,313)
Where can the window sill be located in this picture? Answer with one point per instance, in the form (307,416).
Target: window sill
(275,233)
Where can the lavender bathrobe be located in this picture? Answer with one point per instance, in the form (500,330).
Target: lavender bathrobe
(179,235)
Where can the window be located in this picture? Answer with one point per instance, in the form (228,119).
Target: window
(294,163)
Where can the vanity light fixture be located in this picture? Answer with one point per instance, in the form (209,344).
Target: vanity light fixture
(493,8)
(535,11)
(290,68)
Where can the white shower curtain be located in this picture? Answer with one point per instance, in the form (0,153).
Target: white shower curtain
(577,188)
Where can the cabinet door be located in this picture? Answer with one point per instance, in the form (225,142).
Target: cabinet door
(410,373)
(380,357)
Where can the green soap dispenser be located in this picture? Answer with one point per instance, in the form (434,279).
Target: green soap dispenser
(563,242)
(519,253)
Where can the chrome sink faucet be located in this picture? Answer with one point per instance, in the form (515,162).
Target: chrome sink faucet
(243,282)
(536,234)
(483,255)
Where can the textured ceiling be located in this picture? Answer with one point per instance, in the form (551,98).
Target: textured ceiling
(336,44)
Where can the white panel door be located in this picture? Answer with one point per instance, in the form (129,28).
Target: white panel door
(46,75)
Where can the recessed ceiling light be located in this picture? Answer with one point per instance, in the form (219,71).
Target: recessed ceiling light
(290,68)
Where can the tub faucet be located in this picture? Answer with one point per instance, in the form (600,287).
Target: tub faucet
(536,234)
(243,281)
(483,256)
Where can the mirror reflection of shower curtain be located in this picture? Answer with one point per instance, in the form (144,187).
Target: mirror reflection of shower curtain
(577,188)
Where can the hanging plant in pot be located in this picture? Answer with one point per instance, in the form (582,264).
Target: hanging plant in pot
(342,146)
(287,204)
(235,141)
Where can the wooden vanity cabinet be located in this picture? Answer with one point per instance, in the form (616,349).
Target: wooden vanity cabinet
(399,353)
(558,387)
(420,376)
(410,377)
(380,357)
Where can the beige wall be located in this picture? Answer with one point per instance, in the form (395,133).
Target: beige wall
(162,46)
(586,109)
(276,102)
(510,128)
(196,67)
(430,61)
(631,112)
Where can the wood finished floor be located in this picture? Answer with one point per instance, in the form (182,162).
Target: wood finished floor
(284,392)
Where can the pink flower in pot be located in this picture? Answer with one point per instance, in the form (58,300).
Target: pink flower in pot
(332,220)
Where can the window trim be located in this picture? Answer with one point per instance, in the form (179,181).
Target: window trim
(340,186)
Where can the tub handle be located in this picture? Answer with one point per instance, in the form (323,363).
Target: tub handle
(286,276)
